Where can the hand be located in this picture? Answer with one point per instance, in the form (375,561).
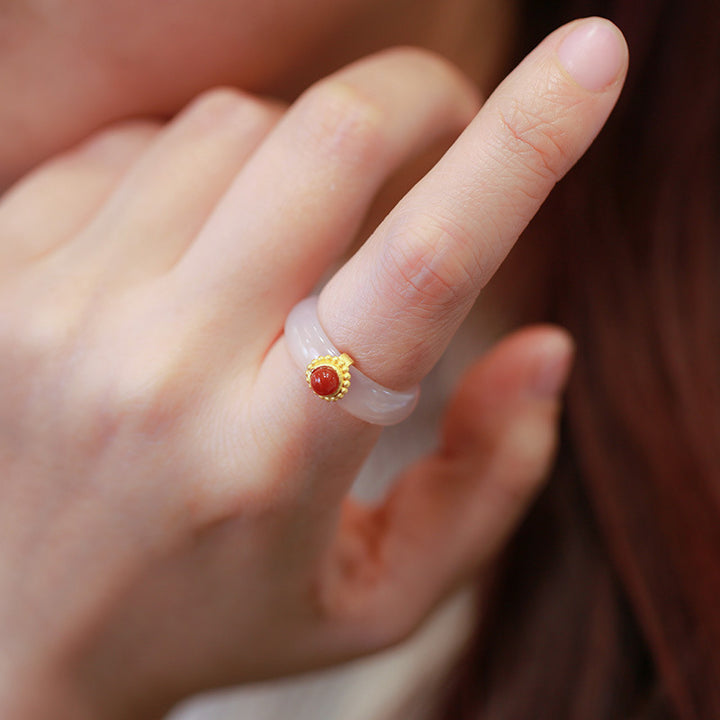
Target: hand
(173,510)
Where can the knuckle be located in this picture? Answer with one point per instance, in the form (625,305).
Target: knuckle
(218,101)
(433,265)
(113,143)
(339,121)
(46,334)
(137,415)
(243,484)
(38,345)
(536,137)
(35,331)
(222,104)
(148,398)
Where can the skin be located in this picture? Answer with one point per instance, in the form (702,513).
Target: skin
(173,505)
(72,67)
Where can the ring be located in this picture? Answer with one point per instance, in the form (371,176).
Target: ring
(332,375)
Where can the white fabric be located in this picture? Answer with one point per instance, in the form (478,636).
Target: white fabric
(374,688)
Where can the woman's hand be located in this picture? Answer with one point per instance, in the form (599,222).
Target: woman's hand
(173,510)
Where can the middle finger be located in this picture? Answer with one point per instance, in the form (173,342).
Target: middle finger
(299,201)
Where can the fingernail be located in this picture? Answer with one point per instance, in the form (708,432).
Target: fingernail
(593,53)
(554,365)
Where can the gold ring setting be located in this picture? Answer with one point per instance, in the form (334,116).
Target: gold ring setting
(329,376)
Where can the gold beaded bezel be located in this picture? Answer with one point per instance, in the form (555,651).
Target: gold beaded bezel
(341,364)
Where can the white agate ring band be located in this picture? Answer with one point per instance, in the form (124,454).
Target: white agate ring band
(329,373)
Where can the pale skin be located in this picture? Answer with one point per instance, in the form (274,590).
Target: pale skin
(173,505)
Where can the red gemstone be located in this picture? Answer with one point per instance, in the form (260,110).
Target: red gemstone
(324,380)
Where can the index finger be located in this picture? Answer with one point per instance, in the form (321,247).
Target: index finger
(397,303)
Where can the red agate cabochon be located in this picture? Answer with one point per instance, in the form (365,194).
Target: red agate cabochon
(324,380)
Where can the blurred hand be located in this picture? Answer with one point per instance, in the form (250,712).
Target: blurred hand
(173,502)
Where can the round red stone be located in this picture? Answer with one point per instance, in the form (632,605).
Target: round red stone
(324,380)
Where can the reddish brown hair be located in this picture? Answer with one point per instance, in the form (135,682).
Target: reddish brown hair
(607,604)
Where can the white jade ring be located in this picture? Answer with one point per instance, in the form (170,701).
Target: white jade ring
(332,375)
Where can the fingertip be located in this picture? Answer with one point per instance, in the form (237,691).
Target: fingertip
(527,443)
(593,53)
(524,375)
(554,353)
(531,363)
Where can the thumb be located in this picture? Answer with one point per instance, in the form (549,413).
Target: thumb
(451,513)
